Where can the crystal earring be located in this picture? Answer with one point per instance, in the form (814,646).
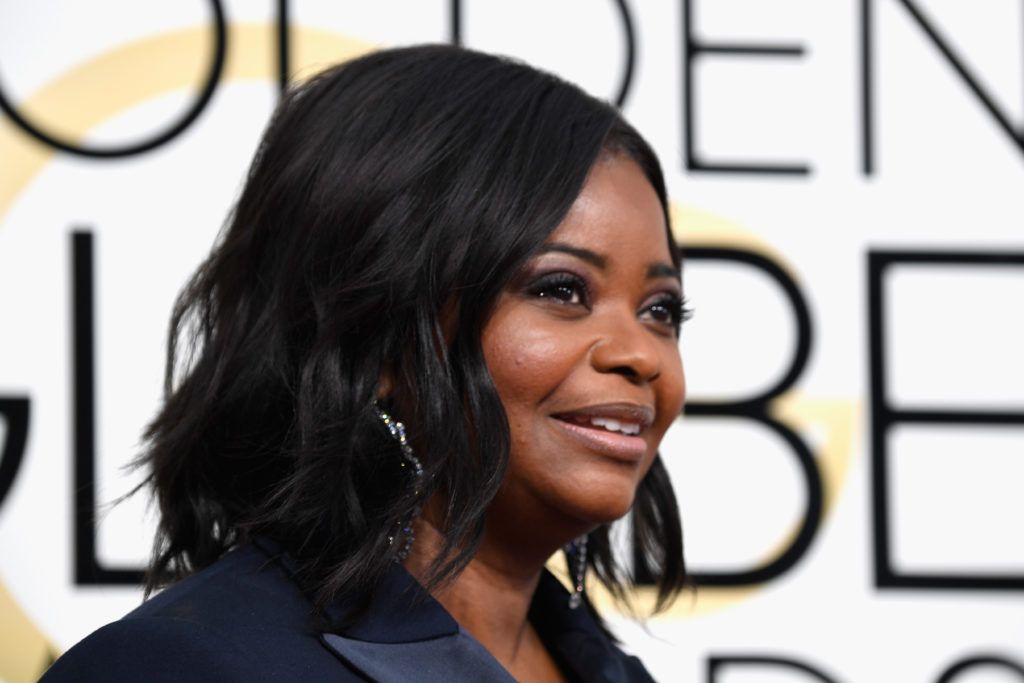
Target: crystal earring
(577,552)
(409,462)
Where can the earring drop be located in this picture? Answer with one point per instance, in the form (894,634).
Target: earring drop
(577,551)
(409,462)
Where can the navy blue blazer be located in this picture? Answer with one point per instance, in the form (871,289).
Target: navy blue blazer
(245,619)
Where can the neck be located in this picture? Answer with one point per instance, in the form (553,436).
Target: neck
(490,598)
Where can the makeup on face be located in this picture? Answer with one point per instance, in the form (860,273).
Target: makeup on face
(583,350)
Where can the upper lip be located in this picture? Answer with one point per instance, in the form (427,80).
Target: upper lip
(623,412)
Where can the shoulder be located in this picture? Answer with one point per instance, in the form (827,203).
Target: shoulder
(247,590)
(153,649)
(242,618)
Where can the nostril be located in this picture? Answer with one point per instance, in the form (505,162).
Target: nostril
(632,374)
(627,371)
(626,352)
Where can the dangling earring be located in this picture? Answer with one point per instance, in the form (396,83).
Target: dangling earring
(577,552)
(409,461)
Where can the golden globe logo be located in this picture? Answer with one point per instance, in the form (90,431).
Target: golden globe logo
(172,60)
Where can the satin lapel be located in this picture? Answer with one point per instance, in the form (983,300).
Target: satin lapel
(439,660)
(404,635)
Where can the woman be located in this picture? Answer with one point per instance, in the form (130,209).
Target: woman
(437,341)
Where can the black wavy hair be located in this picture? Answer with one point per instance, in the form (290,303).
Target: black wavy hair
(386,191)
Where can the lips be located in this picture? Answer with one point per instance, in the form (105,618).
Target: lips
(612,429)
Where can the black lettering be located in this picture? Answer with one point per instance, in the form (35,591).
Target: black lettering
(867,91)
(945,48)
(455,36)
(757,408)
(15,411)
(716,664)
(630,59)
(455,22)
(284,55)
(884,417)
(693,48)
(149,144)
(954,670)
(88,569)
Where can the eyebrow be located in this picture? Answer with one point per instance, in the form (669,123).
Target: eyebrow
(654,271)
(658,270)
(582,254)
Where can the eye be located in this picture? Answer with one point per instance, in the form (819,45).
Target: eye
(667,309)
(565,288)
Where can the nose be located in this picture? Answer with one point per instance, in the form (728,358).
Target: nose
(626,347)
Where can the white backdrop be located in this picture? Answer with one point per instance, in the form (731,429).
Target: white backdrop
(846,177)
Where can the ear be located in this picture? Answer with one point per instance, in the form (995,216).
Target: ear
(386,384)
(448,319)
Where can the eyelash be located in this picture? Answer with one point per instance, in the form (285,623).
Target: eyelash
(677,307)
(564,287)
(546,285)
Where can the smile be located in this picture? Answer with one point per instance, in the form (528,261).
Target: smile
(611,430)
(607,423)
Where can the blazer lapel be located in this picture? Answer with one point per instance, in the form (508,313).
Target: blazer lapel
(440,660)
(406,635)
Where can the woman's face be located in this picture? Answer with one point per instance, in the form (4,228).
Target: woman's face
(584,353)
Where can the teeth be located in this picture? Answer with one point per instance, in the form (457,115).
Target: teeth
(611,425)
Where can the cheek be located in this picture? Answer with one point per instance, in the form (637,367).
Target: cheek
(526,360)
(671,392)
(679,393)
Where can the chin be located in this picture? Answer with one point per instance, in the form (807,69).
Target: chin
(600,502)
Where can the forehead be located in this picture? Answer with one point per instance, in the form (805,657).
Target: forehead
(617,213)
